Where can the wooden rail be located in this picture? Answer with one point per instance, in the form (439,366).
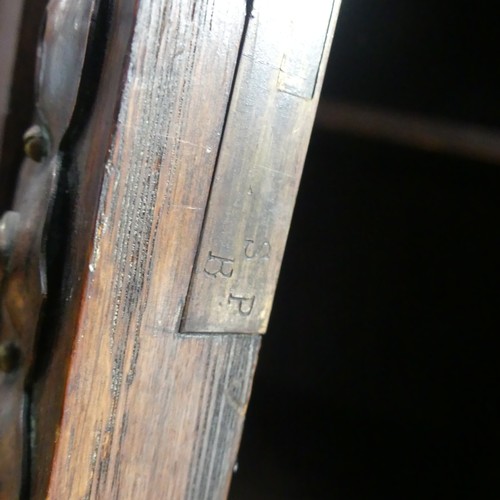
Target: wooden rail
(178,175)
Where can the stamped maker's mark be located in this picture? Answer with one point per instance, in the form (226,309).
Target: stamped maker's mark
(218,266)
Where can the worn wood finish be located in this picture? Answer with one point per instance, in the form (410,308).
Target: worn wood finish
(10,19)
(158,174)
(129,369)
(71,237)
(260,165)
(23,286)
(126,405)
(17,69)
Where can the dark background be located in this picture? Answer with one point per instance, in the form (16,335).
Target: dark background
(379,376)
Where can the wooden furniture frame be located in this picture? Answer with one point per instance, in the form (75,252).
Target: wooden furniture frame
(177,179)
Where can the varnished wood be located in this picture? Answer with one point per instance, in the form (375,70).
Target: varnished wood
(10,19)
(23,286)
(169,430)
(157,172)
(259,169)
(126,404)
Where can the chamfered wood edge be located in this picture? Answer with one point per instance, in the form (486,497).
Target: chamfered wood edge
(79,194)
(232,287)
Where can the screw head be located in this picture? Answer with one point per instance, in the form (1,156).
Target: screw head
(36,144)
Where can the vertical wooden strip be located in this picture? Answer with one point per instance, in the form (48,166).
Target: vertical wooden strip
(172,433)
(260,164)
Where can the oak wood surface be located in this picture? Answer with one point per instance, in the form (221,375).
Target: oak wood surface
(126,405)
(19,30)
(71,238)
(260,165)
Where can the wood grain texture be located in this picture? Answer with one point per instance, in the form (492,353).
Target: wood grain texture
(169,430)
(147,413)
(71,237)
(260,164)
(10,19)
(125,405)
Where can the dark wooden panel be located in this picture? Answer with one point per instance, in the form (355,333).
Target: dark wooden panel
(19,29)
(260,165)
(147,413)
(135,408)
(167,427)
